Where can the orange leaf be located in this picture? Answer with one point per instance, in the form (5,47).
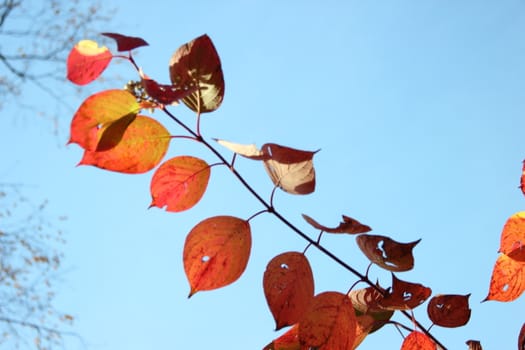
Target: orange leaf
(288,287)
(418,341)
(404,295)
(197,65)
(126,43)
(102,119)
(143,145)
(521,338)
(449,310)
(216,252)
(387,253)
(179,183)
(508,279)
(87,61)
(329,323)
(290,169)
(348,225)
(513,237)
(364,325)
(287,341)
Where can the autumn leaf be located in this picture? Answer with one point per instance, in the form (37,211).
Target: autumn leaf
(521,338)
(473,345)
(449,310)
(87,61)
(288,341)
(248,151)
(288,287)
(165,94)
(179,183)
(197,65)
(101,120)
(508,279)
(404,295)
(348,225)
(329,323)
(142,147)
(418,341)
(364,326)
(387,253)
(366,301)
(216,252)
(512,241)
(290,169)
(126,43)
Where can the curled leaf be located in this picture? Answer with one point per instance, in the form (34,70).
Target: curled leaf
(141,148)
(508,279)
(366,301)
(418,341)
(348,225)
(449,310)
(196,66)
(512,241)
(248,151)
(216,252)
(86,62)
(126,43)
(387,253)
(288,287)
(329,323)
(179,183)
(290,169)
(404,295)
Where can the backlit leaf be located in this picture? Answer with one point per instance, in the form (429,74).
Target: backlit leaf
(364,326)
(126,43)
(216,252)
(87,61)
(418,341)
(348,225)
(101,120)
(179,183)
(387,253)
(329,323)
(521,338)
(508,279)
(197,64)
(287,341)
(404,295)
(512,241)
(366,301)
(449,310)
(288,287)
(143,145)
(290,169)
(248,151)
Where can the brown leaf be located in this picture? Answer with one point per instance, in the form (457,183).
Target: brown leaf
(404,295)
(387,253)
(348,225)
(512,241)
(449,310)
(366,301)
(288,287)
(126,43)
(474,345)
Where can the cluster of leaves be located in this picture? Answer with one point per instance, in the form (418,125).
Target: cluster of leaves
(115,136)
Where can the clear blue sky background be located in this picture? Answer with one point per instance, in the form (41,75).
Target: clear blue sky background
(417,107)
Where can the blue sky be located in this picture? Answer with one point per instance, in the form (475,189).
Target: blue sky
(417,107)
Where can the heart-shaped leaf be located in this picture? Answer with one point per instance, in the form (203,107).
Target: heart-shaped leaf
(196,65)
(179,183)
(288,287)
(86,62)
(348,225)
(449,310)
(387,253)
(216,252)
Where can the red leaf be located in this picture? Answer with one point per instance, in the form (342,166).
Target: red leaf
(329,323)
(512,241)
(179,183)
(287,341)
(387,253)
(348,225)
(449,310)
(165,94)
(143,145)
(508,279)
(290,169)
(101,120)
(404,295)
(418,341)
(216,252)
(288,287)
(521,338)
(197,65)
(126,43)
(87,61)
